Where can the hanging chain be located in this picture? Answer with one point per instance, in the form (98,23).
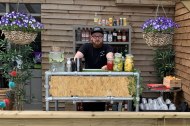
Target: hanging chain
(157,9)
(17,7)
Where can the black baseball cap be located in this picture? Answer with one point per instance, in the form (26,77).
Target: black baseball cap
(97,30)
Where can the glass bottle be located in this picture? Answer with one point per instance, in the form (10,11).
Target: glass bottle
(87,35)
(110,37)
(105,39)
(68,65)
(83,35)
(123,36)
(124,21)
(125,51)
(119,36)
(78,34)
(114,22)
(96,18)
(114,35)
(125,106)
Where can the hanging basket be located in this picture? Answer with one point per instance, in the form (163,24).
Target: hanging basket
(20,37)
(157,39)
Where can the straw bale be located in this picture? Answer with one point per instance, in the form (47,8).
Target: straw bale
(89,86)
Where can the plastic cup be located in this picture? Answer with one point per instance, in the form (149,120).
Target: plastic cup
(110,64)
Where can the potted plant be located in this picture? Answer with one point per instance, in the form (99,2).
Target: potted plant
(20,28)
(159,31)
(164,62)
(16,64)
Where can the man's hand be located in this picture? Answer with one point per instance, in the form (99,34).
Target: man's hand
(78,55)
(104,67)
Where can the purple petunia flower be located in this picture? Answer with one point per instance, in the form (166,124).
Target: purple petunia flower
(159,24)
(20,21)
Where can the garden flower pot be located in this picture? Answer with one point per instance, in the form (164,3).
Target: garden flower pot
(157,39)
(19,37)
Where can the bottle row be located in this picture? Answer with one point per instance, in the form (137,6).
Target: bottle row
(117,49)
(112,35)
(123,106)
(116,36)
(110,21)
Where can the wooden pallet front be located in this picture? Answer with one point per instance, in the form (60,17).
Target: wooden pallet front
(3,92)
(89,86)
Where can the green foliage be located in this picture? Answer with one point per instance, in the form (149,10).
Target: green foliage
(9,58)
(132,86)
(164,62)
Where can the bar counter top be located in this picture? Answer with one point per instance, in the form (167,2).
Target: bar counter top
(87,115)
(73,118)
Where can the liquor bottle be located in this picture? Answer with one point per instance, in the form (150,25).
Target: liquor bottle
(119,36)
(90,33)
(87,35)
(78,34)
(123,37)
(68,65)
(127,36)
(115,107)
(114,35)
(96,18)
(105,39)
(125,106)
(79,106)
(109,107)
(110,37)
(103,22)
(120,106)
(99,22)
(121,21)
(110,21)
(114,22)
(125,50)
(83,35)
(124,21)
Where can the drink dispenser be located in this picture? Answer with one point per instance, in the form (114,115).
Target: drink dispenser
(56,60)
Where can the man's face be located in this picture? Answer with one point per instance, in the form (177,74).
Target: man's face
(97,40)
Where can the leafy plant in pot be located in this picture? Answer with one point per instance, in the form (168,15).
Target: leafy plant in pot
(158,31)
(16,64)
(164,62)
(20,28)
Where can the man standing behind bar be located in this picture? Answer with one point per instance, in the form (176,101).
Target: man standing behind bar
(95,54)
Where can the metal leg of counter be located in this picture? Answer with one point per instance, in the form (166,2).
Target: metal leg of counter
(56,105)
(47,105)
(130,105)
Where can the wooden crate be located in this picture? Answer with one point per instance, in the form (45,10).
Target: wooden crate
(172,83)
(3,92)
(89,86)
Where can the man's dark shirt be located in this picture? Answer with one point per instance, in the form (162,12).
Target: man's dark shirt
(95,58)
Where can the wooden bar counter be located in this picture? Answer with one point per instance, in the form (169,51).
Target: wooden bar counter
(90,86)
(60,118)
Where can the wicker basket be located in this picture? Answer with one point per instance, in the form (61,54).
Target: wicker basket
(157,39)
(19,37)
